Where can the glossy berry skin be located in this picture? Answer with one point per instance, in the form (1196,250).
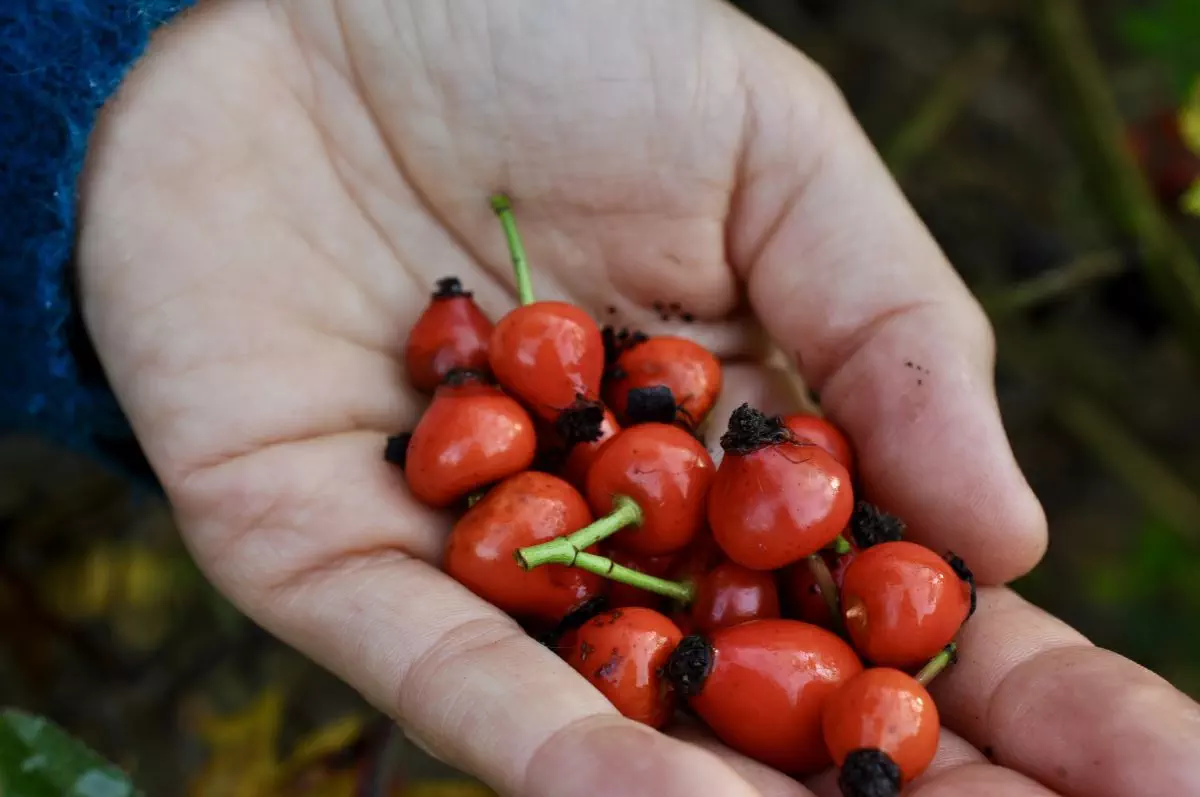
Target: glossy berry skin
(622,595)
(523,510)
(470,436)
(547,354)
(623,653)
(821,432)
(902,603)
(451,332)
(579,459)
(776,505)
(887,710)
(691,371)
(802,594)
(667,472)
(729,594)
(765,687)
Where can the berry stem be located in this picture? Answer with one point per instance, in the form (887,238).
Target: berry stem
(938,663)
(626,512)
(561,552)
(829,591)
(841,546)
(516,250)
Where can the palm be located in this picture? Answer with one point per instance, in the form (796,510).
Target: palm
(257,244)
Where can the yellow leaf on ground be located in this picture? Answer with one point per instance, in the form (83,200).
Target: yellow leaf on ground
(242,758)
(1190,202)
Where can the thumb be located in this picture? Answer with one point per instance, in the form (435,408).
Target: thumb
(845,277)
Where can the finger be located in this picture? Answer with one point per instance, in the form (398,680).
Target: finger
(953,752)
(978,780)
(769,782)
(331,572)
(1039,698)
(844,275)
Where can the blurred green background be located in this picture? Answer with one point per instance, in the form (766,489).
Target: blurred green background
(1048,152)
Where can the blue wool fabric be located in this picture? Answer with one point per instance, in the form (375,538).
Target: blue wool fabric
(60,60)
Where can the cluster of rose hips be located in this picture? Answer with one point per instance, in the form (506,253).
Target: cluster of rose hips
(754,592)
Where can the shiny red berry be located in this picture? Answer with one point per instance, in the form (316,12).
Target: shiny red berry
(775,501)
(471,435)
(662,379)
(761,687)
(729,594)
(803,595)
(880,723)
(523,510)
(821,432)
(623,595)
(667,472)
(902,603)
(451,333)
(623,653)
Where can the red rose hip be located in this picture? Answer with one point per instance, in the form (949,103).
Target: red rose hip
(525,509)
(774,501)
(470,436)
(451,333)
(761,688)
(623,654)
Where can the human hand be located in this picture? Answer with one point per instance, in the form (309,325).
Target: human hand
(266,207)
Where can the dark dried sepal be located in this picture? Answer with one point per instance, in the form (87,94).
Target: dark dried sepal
(582,422)
(619,341)
(689,665)
(750,429)
(869,773)
(396,450)
(962,571)
(870,525)
(450,288)
(653,404)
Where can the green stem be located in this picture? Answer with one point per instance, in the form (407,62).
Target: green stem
(626,512)
(841,546)
(561,552)
(829,591)
(503,208)
(1079,273)
(938,663)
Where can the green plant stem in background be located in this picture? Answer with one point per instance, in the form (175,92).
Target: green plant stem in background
(944,102)
(502,206)
(1121,189)
(1083,271)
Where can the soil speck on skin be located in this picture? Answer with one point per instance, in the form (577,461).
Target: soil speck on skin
(687,318)
(989,753)
(675,306)
(920,381)
(658,307)
(609,668)
(610,310)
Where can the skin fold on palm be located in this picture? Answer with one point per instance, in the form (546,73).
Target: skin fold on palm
(267,205)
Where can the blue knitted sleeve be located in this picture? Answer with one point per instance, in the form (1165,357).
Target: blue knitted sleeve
(60,60)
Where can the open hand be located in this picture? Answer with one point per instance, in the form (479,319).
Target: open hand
(267,206)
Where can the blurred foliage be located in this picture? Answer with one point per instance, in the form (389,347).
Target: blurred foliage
(39,759)
(1167,32)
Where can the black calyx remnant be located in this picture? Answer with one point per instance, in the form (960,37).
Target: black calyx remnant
(458,377)
(396,450)
(870,525)
(653,404)
(619,341)
(573,621)
(750,430)
(869,773)
(962,571)
(581,422)
(450,288)
(689,665)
